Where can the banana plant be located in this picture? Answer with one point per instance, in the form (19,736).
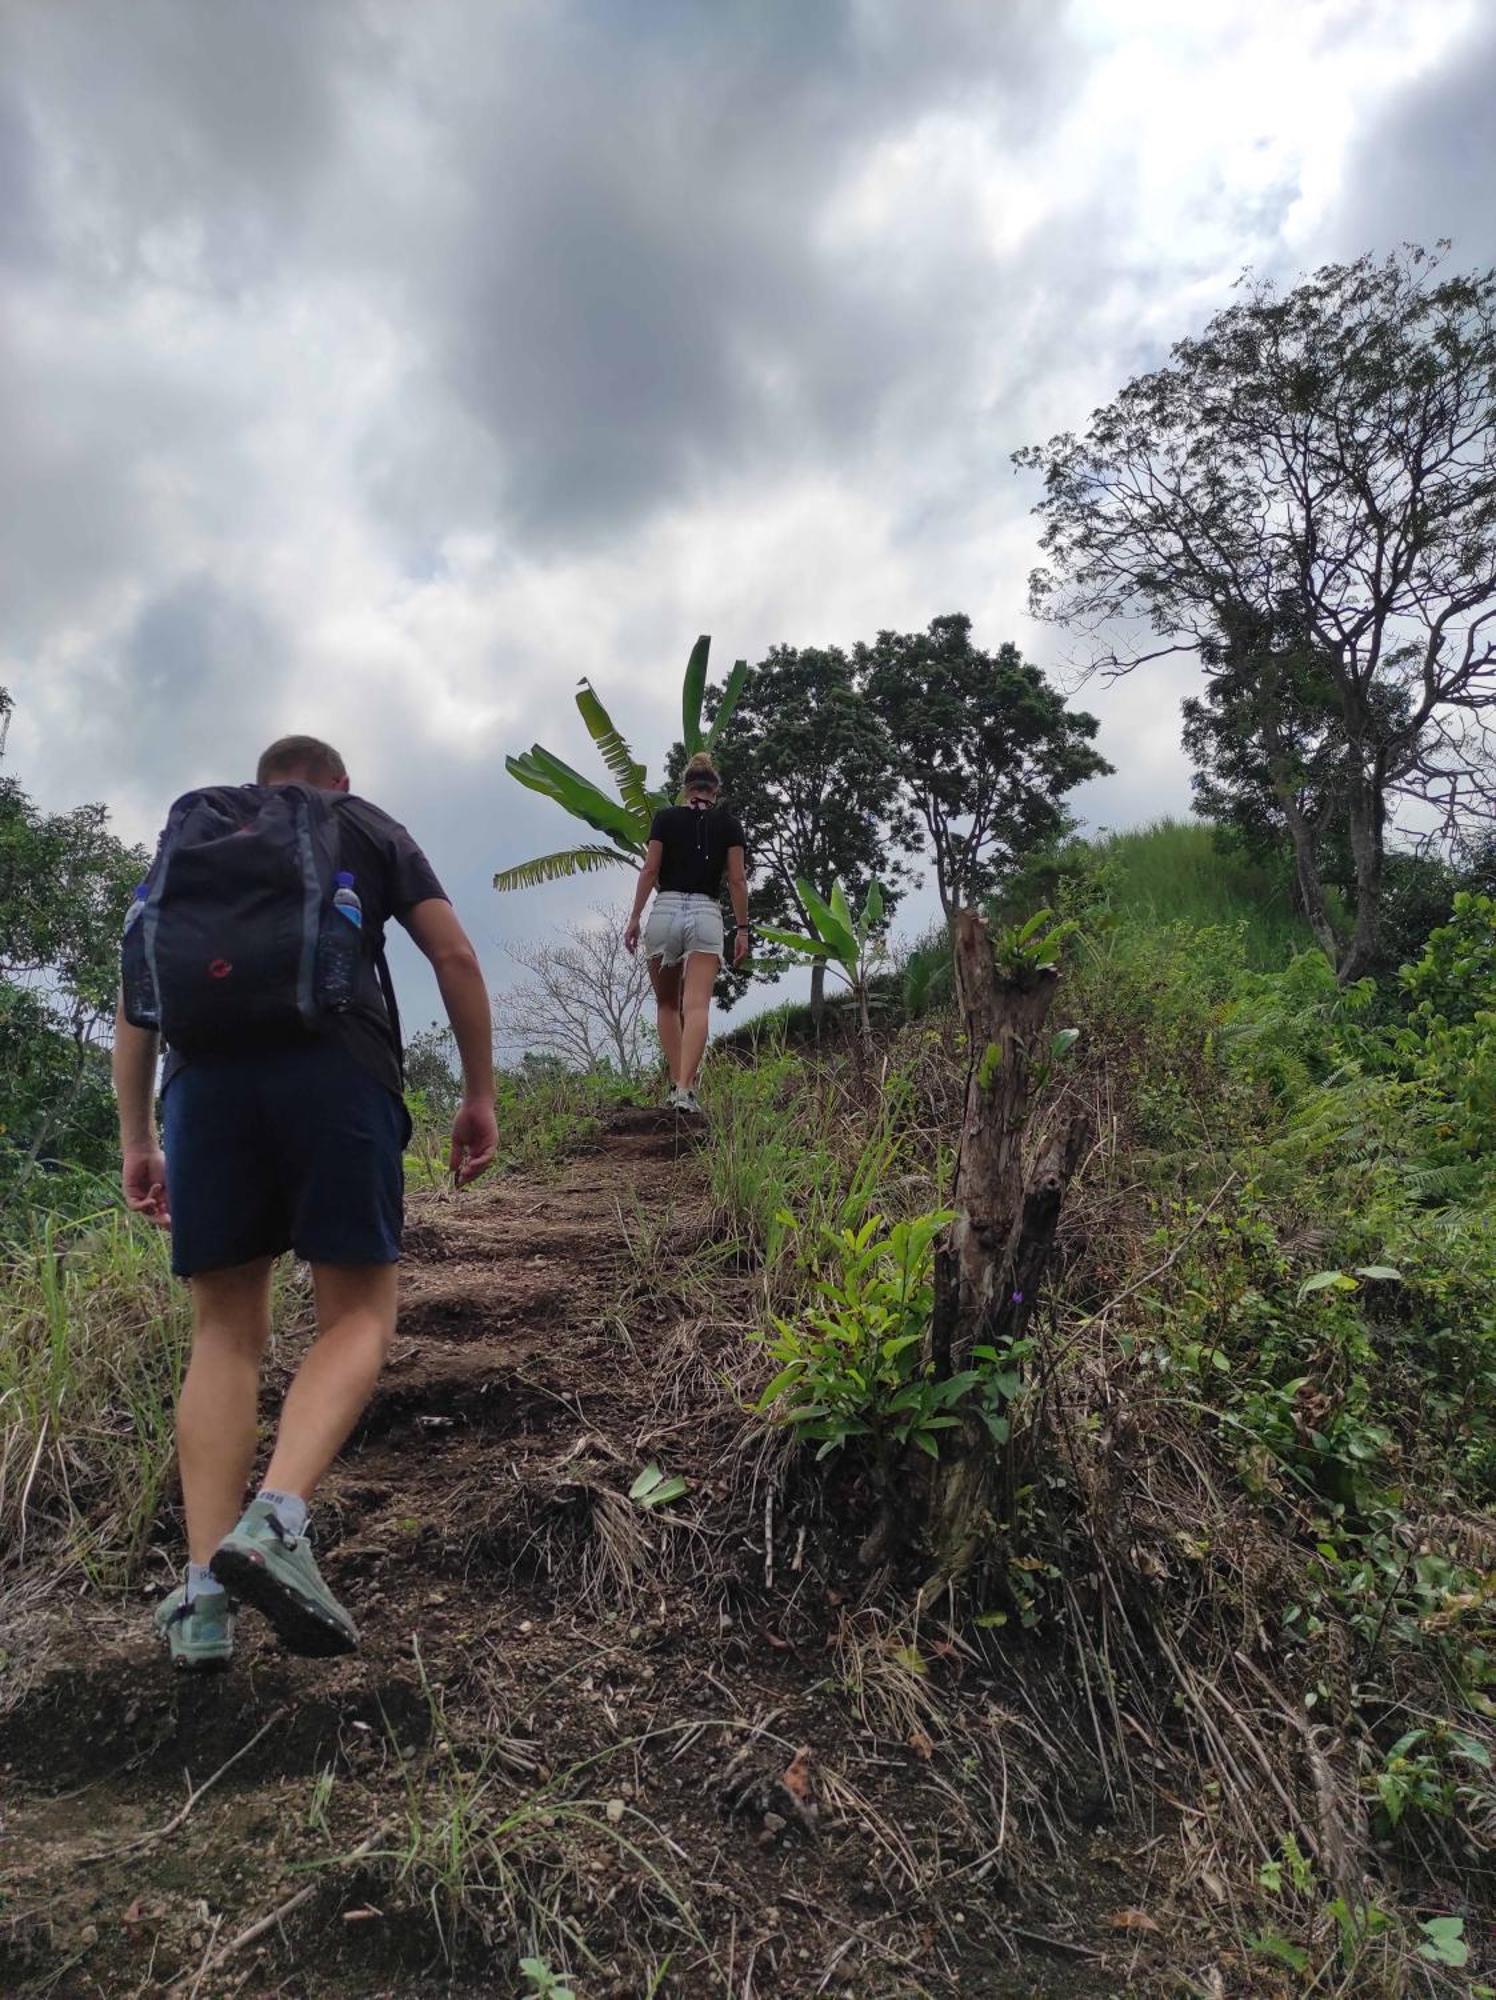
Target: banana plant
(845,942)
(623,821)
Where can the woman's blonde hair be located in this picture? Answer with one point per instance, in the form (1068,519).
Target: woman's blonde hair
(700,770)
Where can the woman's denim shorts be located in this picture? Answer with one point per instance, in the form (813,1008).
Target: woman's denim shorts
(680,924)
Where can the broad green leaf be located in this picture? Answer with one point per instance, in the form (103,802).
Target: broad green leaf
(693,691)
(582,798)
(1383,1273)
(556,867)
(792,941)
(1324,1281)
(1063,1042)
(1444,1941)
(730,695)
(872,909)
(628,774)
(833,931)
(654,1489)
(841,909)
(1271,1944)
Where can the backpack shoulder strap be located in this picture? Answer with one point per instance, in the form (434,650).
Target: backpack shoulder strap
(392,1007)
(332,803)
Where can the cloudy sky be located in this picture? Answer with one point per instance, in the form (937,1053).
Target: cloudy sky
(378,367)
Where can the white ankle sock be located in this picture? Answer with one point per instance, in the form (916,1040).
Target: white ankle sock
(201,1582)
(290,1509)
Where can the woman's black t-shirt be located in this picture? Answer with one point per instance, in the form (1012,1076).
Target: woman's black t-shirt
(696,841)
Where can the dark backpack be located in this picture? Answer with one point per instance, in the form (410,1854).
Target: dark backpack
(224,955)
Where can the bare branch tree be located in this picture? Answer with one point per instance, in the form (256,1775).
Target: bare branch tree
(585,1000)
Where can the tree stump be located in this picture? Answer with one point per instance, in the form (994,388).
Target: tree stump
(1007,1199)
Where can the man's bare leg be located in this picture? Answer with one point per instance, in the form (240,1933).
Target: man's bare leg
(666,981)
(217,1411)
(701,977)
(356,1306)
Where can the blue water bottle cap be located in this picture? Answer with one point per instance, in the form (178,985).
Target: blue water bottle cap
(142,890)
(344,880)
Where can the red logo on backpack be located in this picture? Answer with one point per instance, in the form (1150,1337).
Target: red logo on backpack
(220,968)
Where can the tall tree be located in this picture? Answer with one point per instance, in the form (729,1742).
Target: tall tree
(986,750)
(1305,497)
(65,883)
(813,773)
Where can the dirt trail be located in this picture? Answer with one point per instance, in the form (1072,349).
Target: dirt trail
(522,1616)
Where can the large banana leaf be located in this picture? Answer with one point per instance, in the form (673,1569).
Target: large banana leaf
(547,775)
(837,935)
(841,909)
(728,702)
(872,912)
(628,774)
(793,941)
(693,692)
(556,867)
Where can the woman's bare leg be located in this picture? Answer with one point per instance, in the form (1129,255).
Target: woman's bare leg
(696,1008)
(666,981)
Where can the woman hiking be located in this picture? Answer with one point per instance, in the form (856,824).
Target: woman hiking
(691,847)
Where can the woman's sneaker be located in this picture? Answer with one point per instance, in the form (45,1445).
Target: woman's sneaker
(264,1565)
(199,1631)
(685,1100)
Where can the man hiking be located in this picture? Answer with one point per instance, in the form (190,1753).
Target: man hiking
(691,848)
(254,950)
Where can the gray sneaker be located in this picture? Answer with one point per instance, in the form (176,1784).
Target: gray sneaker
(263,1565)
(199,1632)
(685,1100)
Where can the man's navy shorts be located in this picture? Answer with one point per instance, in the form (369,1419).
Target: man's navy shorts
(291,1149)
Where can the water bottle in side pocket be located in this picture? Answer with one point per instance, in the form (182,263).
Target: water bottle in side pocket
(137,988)
(339,949)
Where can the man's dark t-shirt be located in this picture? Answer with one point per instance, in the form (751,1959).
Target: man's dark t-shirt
(391,875)
(695,841)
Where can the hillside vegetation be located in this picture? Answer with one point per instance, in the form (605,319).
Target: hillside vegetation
(1209,1713)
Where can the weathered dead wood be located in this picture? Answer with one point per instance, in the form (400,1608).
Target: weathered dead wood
(991,1266)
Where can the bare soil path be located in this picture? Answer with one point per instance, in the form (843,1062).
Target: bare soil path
(641,1741)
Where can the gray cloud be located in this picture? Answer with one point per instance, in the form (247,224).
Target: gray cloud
(379,369)
(1427,167)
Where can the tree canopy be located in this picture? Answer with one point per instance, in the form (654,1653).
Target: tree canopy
(65,883)
(1305,497)
(987,750)
(811,770)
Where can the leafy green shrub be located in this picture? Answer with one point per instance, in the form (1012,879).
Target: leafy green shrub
(852,1364)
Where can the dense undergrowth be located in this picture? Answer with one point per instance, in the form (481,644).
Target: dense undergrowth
(1244,1567)
(1248,1462)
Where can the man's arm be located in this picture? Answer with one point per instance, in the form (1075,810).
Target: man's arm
(475,1133)
(134,1065)
(649,874)
(737,888)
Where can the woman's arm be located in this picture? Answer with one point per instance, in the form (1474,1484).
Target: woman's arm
(737,888)
(649,874)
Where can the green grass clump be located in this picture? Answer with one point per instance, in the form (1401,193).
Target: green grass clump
(93,1343)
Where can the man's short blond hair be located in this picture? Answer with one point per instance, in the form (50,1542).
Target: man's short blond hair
(304,757)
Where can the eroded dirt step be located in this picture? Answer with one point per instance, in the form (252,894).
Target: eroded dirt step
(102,1715)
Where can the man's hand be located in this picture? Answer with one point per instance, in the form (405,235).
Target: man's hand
(740,946)
(145,1183)
(475,1140)
(631,936)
